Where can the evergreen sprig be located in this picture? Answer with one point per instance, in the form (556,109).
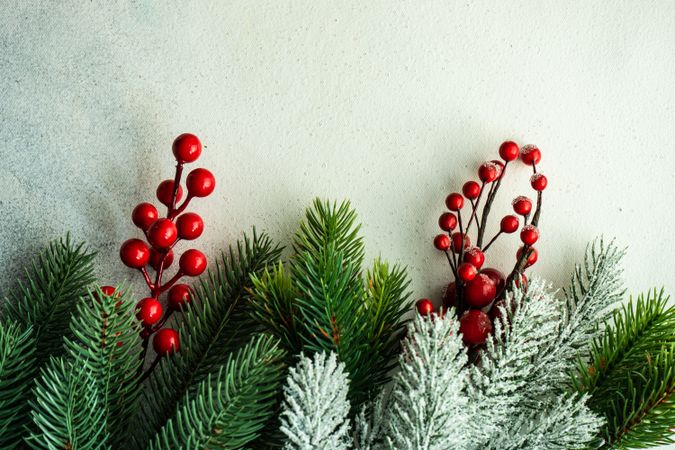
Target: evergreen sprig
(227,410)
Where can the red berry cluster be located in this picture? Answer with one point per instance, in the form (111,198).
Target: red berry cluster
(162,234)
(477,291)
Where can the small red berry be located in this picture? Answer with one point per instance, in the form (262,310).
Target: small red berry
(480,291)
(471,190)
(134,253)
(179,296)
(442,242)
(487,172)
(509,224)
(450,295)
(466,272)
(156,256)
(529,234)
(530,154)
(474,256)
(190,226)
(454,201)
(144,215)
(162,234)
(165,192)
(508,151)
(424,306)
(499,166)
(149,311)
(109,291)
(532,257)
(497,277)
(475,327)
(538,182)
(192,263)
(457,242)
(166,342)
(200,183)
(187,148)
(447,221)
(522,205)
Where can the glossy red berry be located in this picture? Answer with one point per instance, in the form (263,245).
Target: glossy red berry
(522,205)
(538,182)
(192,263)
(156,256)
(179,296)
(149,311)
(529,234)
(190,226)
(457,241)
(497,277)
(187,148)
(424,306)
(454,201)
(162,234)
(471,190)
(442,242)
(475,327)
(144,215)
(509,224)
(200,183)
(474,256)
(532,258)
(165,192)
(447,221)
(480,291)
(509,151)
(487,172)
(166,342)
(134,253)
(466,272)
(109,291)
(530,154)
(499,166)
(450,295)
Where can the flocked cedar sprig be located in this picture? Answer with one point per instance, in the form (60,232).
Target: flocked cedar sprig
(322,303)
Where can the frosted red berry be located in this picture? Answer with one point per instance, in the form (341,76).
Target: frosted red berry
(475,327)
(134,253)
(454,201)
(530,154)
(166,342)
(165,192)
(162,234)
(529,234)
(179,296)
(466,272)
(144,215)
(190,226)
(187,148)
(499,166)
(424,306)
(538,182)
(192,263)
(480,291)
(200,183)
(149,311)
(457,239)
(509,224)
(156,257)
(442,242)
(474,256)
(522,205)
(509,151)
(497,277)
(471,190)
(447,221)
(487,172)
(532,258)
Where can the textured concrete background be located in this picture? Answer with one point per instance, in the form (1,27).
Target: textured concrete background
(390,104)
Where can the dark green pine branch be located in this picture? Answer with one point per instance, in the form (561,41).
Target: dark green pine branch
(228,409)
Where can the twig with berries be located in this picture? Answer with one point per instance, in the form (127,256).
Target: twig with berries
(162,235)
(478,292)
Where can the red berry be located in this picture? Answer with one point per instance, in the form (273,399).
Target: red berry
(165,192)
(200,183)
(190,226)
(466,272)
(480,291)
(530,154)
(508,151)
(442,242)
(471,190)
(538,182)
(454,201)
(532,257)
(149,311)
(529,234)
(166,342)
(447,221)
(424,306)
(499,166)
(134,253)
(450,295)
(497,277)
(162,234)
(522,205)
(457,242)
(109,291)
(156,256)
(143,215)
(487,172)
(475,327)
(187,148)
(179,296)
(474,256)
(192,263)
(509,224)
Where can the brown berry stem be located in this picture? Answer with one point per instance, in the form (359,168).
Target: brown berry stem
(176,186)
(148,281)
(170,283)
(491,241)
(450,261)
(488,204)
(525,254)
(162,321)
(181,208)
(474,212)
